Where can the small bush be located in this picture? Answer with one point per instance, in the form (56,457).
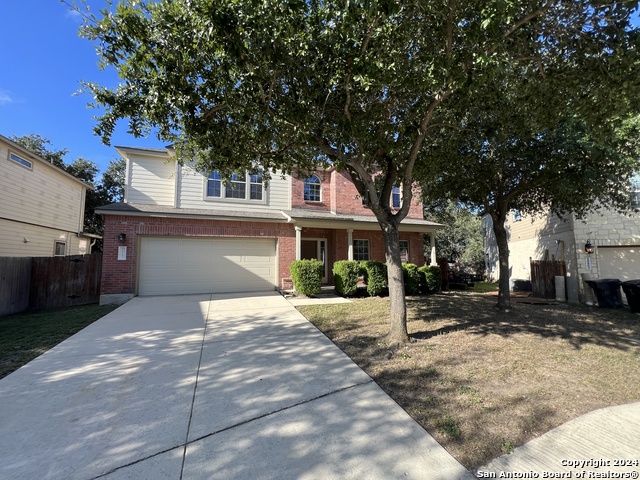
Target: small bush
(345,277)
(375,276)
(307,276)
(411,278)
(430,279)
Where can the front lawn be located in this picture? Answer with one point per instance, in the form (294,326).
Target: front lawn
(483,382)
(25,336)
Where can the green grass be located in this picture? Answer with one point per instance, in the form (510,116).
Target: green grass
(25,336)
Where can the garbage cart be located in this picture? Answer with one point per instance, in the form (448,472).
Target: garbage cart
(607,292)
(631,289)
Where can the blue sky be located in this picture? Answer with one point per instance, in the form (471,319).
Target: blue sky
(43,62)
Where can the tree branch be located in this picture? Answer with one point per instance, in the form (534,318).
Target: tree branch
(523,21)
(449,42)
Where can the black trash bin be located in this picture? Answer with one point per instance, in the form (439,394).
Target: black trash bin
(607,292)
(631,289)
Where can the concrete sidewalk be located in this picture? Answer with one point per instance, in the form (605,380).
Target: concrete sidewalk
(209,386)
(604,443)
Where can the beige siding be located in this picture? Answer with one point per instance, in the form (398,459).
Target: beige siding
(39,241)
(150,180)
(192,194)
(41,195)
(535,227)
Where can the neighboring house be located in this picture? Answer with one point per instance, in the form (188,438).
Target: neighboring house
(182,232)
(615,239)
(41,206)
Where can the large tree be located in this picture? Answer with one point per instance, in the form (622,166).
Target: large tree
(361,84)
(533,160)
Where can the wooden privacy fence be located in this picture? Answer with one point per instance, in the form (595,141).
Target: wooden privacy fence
(543,273)
(15,280)
(31,283)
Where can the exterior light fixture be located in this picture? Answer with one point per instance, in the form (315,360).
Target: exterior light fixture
(122,238)
(588,248)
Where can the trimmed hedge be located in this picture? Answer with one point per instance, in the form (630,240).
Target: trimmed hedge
(345,277)
(411,278)
(307,276)
(430,279)
(375,276)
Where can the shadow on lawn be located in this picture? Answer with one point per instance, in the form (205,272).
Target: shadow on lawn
(477,315)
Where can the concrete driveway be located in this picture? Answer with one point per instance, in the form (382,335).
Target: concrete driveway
(208,386)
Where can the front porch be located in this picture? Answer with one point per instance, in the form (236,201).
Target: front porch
(330,240)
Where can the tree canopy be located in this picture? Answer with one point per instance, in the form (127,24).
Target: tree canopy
(360,83)
(461,238)
(533,160)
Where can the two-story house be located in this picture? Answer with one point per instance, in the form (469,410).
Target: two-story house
(181,232)
(603,244)
(41,206)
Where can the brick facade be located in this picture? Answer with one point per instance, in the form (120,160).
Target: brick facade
(339,195)
(119,276)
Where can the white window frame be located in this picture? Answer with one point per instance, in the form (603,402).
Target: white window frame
(23,162)
(224,189)
(635,191)
(55,248)
(395,191)
(406,249)
(317,184)
(356,251)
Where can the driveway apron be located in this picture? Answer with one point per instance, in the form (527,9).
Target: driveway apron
(212,387)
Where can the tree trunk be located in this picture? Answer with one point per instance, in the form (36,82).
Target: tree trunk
(398,307)
(504,300)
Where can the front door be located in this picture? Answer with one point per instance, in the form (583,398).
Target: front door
(315,248)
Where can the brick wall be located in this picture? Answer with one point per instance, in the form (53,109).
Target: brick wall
(297,192)
(119,276)
(340,195)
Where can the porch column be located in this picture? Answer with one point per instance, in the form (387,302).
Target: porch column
(434,260)
(298,242)
(349,243)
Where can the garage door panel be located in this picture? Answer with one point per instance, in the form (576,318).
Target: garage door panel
(206,265)
(622,263)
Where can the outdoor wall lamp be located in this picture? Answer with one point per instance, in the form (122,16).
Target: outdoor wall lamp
(588,248)
(122,238)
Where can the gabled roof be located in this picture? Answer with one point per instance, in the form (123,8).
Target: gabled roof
(24,152)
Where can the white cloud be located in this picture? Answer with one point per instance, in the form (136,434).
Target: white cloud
(5,98)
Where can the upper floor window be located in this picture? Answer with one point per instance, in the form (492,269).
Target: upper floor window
(517,215)
(18,159)
(312,189)
(396,197)
(635,191)
(236,188)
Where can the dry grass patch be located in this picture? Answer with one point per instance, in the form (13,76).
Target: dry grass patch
(482,381)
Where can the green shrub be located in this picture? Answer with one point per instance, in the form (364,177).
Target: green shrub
(411,278)
(375,276)
(307,276)
(345,277)
(430,279)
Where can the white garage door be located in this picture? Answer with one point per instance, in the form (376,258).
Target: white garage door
(170,266)
(622,263)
